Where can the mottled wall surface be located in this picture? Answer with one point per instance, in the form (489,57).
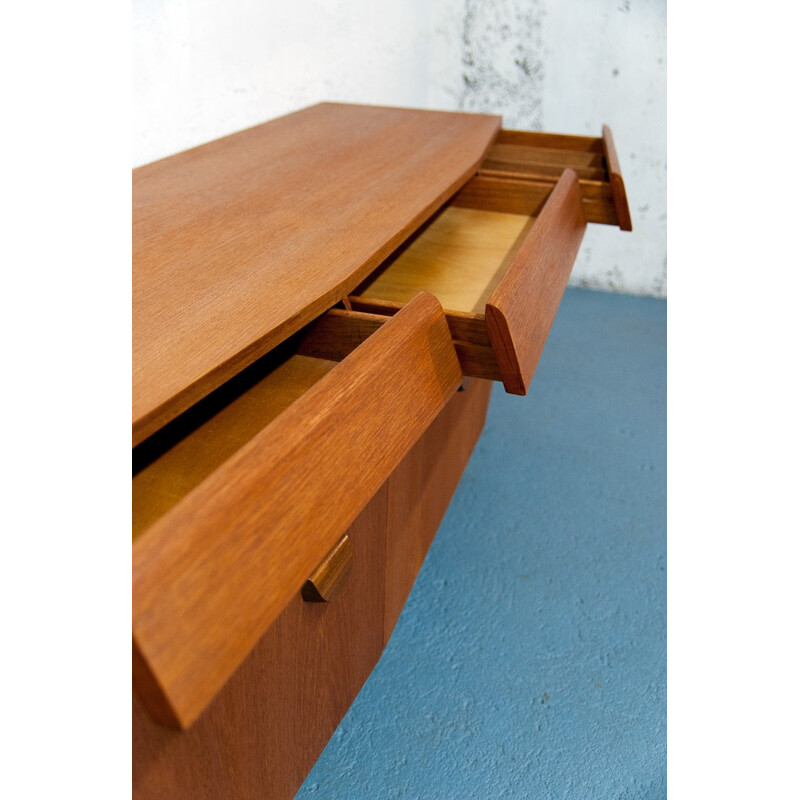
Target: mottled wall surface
(501,55)
(568,66)
(202,69)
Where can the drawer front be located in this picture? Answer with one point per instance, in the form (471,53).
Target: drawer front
(217,569)
(522,307)
(267,726)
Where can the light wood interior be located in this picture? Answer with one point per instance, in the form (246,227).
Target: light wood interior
(459,256)
(161,484)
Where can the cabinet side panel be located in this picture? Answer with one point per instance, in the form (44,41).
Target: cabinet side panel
(421,488)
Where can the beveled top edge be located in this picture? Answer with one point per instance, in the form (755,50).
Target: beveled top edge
(240,242)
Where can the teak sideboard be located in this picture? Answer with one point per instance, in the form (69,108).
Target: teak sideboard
(320,306)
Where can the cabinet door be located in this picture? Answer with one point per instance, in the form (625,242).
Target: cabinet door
(266,727)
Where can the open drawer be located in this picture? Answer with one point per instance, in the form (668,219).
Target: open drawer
(499,276)
(499,254)
(521,168)
(239,500)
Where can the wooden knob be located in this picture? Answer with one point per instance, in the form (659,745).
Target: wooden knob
(329,577)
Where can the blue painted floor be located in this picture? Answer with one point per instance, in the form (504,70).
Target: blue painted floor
(530,660)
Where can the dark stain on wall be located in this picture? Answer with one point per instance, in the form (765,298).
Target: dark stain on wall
(503,69)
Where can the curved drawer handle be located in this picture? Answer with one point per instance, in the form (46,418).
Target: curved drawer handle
(618,193)
(329,578)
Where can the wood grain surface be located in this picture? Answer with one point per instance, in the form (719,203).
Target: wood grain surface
(552,141)
(518,196)
(522,307)
(264,730)
(459,257)
(268,724)
(164,482)
(212,573)
(338,332)
(239,243)
(535,162)
(521,168)
(533,154)
(470,337)
(421,488)
(617,183)
(464,326)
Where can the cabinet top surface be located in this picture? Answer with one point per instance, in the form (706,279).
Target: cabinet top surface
(239,243)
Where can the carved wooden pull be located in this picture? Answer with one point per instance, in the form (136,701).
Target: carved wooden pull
(330,576)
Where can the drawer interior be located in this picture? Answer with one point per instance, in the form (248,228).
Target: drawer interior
(459,256)
(535,155)
(462,253)
(521,168)
(171,463)
(499,254)
(498,268)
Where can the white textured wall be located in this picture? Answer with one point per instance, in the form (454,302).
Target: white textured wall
(203,68)
(568,66)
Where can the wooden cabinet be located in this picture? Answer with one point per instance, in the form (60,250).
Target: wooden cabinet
(266,727)
(318,304)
